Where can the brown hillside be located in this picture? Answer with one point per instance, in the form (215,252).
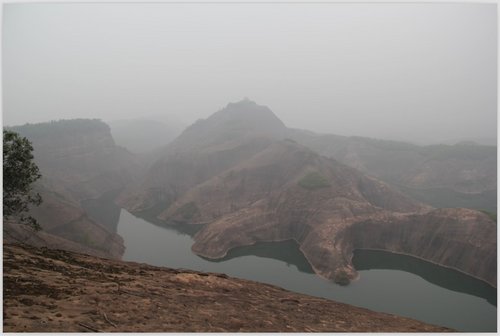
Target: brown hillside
(78,160)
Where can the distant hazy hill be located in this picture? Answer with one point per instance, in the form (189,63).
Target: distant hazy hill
(78,152)
(461,175)
(236,174)
(478,141)
(143,135)
(78,160)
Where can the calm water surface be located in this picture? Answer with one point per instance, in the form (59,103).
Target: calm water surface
(389,283)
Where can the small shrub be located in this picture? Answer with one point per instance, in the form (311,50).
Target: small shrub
(313,181)
(86,240)
(342,278)
(187,211)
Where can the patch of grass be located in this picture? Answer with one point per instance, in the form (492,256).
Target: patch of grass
(85,239)
(313,181)
(187,211)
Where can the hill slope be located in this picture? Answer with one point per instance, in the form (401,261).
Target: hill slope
(461,175)
(78,160)
(58,291)
(203,150)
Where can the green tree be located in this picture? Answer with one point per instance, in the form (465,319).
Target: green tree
(19,173)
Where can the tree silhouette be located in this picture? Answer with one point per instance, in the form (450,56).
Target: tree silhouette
(19,173)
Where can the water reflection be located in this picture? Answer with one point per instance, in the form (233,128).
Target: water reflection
(287,251)
(103,210)
(151,217)
(440,276)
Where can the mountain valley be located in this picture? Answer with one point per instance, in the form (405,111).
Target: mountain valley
(241,178)
(248,184)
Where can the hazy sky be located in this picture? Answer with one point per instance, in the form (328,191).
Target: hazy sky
(420,72)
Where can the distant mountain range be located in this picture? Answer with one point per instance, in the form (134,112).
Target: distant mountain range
(461,175)
(477,141)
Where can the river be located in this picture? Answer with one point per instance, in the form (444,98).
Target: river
(390,283)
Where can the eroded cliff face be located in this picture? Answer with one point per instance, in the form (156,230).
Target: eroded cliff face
(457,238)
(78,160)
(462,239)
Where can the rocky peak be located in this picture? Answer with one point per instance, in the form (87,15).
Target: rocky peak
(237,121)
(249,111)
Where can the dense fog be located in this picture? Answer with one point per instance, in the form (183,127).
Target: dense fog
(418,72)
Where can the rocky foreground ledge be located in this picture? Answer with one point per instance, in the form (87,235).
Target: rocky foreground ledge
(58,291)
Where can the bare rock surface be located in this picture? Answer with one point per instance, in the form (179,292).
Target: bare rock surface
(58,291)
(461,239)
